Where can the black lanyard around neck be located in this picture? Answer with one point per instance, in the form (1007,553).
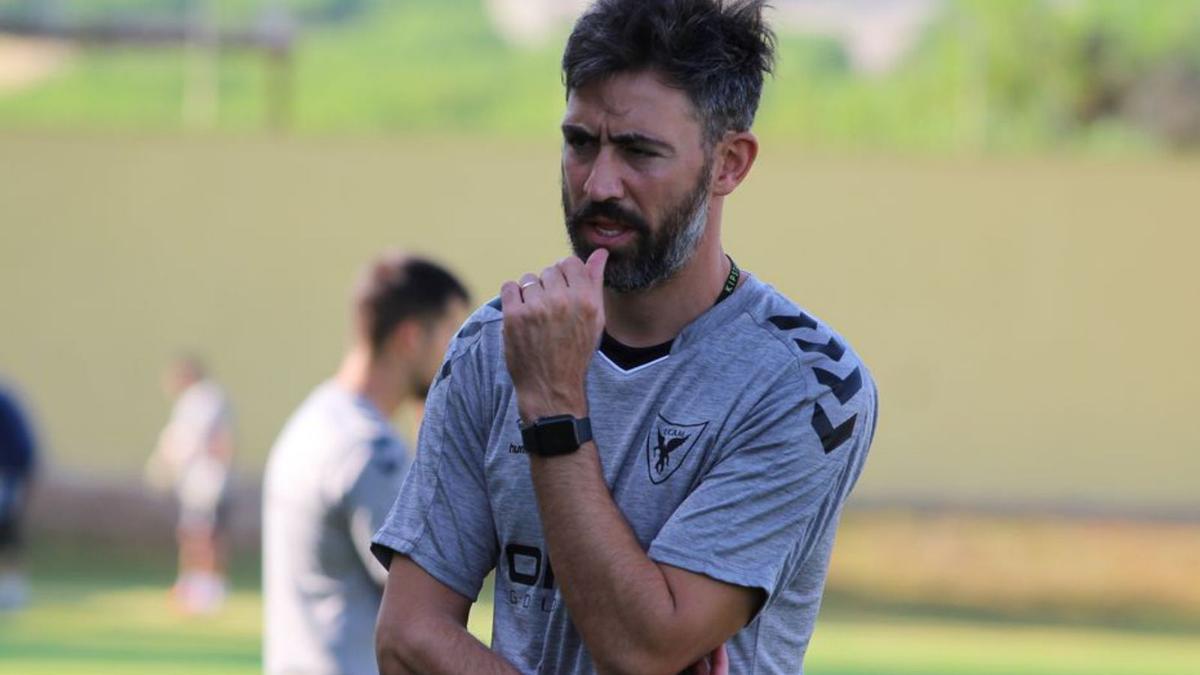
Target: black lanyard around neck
(731,281)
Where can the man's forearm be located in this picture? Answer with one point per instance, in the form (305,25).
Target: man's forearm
(618,598)
(437,646)
(623,604)
(422,627)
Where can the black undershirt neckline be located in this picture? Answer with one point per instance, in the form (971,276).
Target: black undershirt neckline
(627,358)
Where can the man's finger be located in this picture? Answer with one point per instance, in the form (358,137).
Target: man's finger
(595,265)
(531,286)
(719,661)
(574,272)
(510,295)
(552,279)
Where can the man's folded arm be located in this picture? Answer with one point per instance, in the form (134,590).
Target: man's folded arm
(422,627)
(636,615)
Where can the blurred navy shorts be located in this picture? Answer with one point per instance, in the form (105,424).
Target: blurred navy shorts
(12,503)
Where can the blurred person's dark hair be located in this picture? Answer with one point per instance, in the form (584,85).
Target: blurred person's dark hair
(714,50)
(396,287)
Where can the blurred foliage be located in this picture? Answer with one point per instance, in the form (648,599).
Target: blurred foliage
(409,67)
(1008,75)
(986,75)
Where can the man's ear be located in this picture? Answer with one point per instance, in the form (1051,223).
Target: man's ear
(733,158)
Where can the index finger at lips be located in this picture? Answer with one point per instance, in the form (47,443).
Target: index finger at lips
(595,266)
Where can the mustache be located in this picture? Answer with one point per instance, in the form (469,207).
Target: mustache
(609,211)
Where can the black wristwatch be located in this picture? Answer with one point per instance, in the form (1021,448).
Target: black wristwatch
(555,435)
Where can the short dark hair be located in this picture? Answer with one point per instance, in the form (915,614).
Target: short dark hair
(396,287)
(717,51)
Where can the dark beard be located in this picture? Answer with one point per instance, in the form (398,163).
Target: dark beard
(652,258)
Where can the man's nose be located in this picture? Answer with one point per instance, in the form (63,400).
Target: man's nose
(604,180)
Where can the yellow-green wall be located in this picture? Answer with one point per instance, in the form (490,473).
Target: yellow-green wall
(1031,322)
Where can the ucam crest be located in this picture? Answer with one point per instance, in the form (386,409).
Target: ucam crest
(668,446)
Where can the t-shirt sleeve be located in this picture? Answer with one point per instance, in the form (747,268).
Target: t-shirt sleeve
(442,518)
(765,505)
(379,471)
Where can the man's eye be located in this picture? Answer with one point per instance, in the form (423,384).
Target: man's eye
(578,141)
(641,152)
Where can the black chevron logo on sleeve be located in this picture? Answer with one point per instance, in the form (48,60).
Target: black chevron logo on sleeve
(445,371)
(496,304)
(801,320)
(843,389)
(831,436)
(833,349)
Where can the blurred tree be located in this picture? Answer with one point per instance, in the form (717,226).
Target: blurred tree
(1059,69)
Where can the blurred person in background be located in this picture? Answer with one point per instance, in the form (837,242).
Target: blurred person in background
(651,448)
(335,469)
(18,459)
(194,458)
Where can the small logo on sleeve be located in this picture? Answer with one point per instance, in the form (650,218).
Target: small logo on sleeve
(668,446)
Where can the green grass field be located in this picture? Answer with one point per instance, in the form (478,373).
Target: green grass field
(102,610)
(108,626)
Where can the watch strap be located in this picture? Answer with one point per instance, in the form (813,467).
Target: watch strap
(555,435)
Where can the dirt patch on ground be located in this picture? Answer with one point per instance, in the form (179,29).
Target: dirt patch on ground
(26,62)
(1084,568)
(73,506)
(1074,568)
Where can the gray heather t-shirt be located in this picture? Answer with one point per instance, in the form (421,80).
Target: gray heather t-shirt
(330,480)
(730,457)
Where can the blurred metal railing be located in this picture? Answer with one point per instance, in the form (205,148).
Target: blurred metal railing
(273,36)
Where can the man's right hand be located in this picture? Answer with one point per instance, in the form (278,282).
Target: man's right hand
(716,663)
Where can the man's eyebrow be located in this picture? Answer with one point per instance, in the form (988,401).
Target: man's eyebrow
(576,130)
(625,140)
(635,138)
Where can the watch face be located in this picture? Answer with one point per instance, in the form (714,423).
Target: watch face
(557,436)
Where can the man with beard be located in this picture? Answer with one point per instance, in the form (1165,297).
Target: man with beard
(335,470)
(650,446)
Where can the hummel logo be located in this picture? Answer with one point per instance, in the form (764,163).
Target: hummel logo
(843,389)
(516,449)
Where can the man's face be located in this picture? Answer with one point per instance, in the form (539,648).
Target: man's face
(177,378)
(436,336)
(635,177)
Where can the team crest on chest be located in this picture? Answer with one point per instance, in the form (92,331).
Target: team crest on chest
(668,446)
